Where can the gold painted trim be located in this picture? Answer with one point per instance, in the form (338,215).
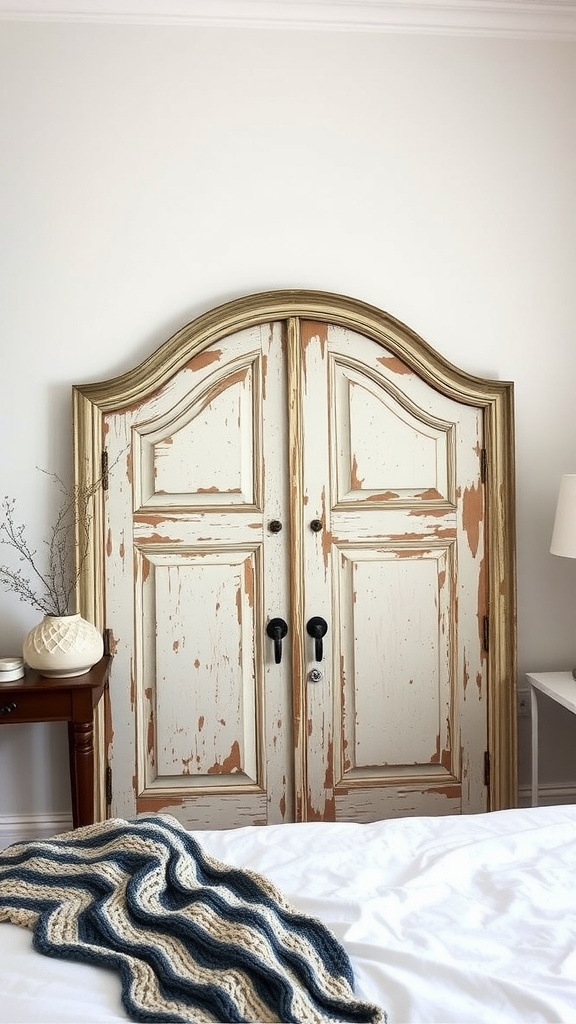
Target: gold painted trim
(296,491)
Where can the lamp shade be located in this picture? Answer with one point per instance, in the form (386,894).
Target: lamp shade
(564,532)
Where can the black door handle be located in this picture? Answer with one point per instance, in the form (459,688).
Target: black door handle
(276,630)
(317,627)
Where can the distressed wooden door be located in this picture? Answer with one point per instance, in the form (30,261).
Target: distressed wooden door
(319,464)
(398,722)
(193,574)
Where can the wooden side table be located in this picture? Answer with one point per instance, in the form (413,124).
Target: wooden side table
(35,698)
(559,687)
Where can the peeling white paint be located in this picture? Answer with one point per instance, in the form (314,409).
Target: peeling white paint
(193,575)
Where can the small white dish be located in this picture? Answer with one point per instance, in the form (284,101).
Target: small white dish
(10,669)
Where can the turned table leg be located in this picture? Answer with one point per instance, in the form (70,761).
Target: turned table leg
(81,752)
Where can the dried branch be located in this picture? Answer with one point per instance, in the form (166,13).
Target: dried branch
(49,584)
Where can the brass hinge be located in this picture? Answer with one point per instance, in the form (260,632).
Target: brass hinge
(486,767)
(108,786)
(486,633)
(104,470)
(483,465)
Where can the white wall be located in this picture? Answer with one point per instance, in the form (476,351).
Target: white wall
(149,174)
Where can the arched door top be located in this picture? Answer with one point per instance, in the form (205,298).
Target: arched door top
(270,306)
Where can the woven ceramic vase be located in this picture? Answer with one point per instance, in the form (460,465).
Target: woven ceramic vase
(63,645)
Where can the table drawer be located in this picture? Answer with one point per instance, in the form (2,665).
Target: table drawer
(34,707)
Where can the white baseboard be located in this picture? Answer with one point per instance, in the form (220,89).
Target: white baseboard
(16,828)
(548,795)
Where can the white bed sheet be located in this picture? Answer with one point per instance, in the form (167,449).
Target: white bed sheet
(447,920)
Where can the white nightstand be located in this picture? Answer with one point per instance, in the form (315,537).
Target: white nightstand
(559,686)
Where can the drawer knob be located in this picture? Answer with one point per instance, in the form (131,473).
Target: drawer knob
(7,709)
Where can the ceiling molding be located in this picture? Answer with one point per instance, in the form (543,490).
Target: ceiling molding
(535,19)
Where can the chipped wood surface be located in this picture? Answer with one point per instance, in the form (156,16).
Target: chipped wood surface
(298,419)
(399,591)
(191,590)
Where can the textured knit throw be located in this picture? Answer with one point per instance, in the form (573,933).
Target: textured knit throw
(193,939)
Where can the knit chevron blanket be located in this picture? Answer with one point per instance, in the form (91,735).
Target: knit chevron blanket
(193,939)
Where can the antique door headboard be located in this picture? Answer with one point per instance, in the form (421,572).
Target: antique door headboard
(304,459)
